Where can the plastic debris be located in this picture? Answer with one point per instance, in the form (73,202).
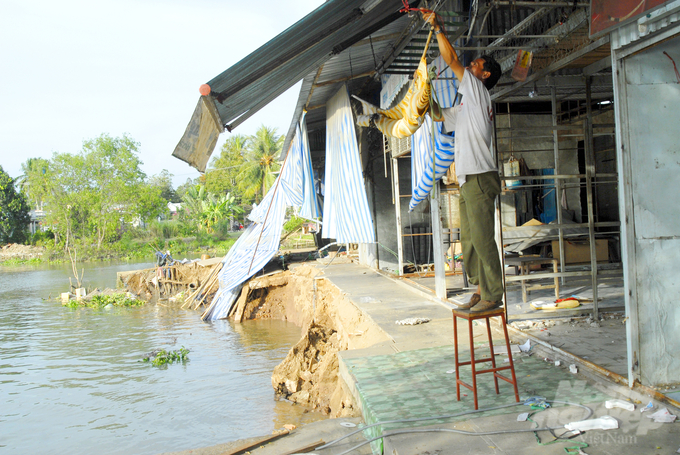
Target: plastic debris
(662,416)
(557,363)
(523,417)
(537,402)
(601,423)
(649,407)
(526,347)
(412,321)
(573,368)
(619,404)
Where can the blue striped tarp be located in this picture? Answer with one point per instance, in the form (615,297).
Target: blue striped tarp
(260,241)
(301,175)
(346,217)
(446,84)
(421,158)
(253,250)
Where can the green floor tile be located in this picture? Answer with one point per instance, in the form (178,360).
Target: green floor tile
(416,384)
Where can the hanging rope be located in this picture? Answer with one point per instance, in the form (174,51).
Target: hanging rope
(677,74)
(407,8)
(375,61)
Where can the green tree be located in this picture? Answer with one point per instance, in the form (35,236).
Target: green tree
(256,174)
(92,194)
(163,181)
(206,210)
(113,180)
(65,193)
(222,175)
(184,187)
(215,209)
(33,182)
(14,211)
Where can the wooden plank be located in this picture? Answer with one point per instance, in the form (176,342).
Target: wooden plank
(254,444)
(307,448)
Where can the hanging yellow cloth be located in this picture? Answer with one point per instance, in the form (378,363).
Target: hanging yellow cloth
(405,118)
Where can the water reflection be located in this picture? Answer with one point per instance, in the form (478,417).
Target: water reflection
(75,378)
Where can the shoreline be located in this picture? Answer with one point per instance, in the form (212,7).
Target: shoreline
(330,323)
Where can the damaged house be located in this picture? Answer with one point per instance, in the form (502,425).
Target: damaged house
(584,134)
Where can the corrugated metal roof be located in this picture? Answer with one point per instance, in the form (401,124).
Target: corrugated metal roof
(259,78)
(355,66)
(353,41)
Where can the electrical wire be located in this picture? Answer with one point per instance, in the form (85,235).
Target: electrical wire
(449,430)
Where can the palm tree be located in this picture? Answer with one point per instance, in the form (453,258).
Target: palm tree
(256,174)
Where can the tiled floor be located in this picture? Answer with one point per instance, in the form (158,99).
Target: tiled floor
(422,383)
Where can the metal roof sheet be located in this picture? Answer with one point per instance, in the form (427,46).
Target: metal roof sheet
(354,41)
(259,78)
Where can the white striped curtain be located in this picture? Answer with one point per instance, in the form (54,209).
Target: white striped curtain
(346,216)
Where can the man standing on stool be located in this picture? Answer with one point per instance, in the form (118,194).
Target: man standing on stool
(476,171)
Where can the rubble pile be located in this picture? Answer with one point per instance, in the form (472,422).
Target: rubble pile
(17,251)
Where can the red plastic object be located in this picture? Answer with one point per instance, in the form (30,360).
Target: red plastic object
(204,89)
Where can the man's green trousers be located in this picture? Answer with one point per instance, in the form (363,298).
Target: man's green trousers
(477,233)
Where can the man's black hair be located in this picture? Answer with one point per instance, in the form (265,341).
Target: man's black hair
(494,69)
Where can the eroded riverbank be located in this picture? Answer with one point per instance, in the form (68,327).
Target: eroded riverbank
(330,323)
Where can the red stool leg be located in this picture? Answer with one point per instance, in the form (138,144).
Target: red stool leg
(472,362)
(512,363)
(493,357)
(455,350)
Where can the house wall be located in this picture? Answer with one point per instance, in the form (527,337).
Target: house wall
(647,94)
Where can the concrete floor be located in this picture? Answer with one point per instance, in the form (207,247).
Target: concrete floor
(412,377)
(570,330)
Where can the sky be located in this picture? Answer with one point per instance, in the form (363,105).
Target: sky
(72,70)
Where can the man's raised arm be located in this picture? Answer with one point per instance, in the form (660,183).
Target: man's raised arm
(448,52)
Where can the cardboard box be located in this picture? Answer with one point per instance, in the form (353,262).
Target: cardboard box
(578,251)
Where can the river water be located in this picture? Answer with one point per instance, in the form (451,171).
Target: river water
(71,381)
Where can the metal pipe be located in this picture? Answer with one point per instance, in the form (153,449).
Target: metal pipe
(526,4)
(558,182)
(397,210)
(590,170)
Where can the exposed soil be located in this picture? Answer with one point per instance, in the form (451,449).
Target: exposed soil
(330,323)
(17,251)
(169,281)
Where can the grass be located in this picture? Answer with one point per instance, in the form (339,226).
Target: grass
(13,262)
(100,301)
(163,357)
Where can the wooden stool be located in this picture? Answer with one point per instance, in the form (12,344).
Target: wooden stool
(466,314)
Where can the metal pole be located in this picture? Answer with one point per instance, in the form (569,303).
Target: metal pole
(438,243)
(397,211)
(558,182)
(590,171)
(499,212)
